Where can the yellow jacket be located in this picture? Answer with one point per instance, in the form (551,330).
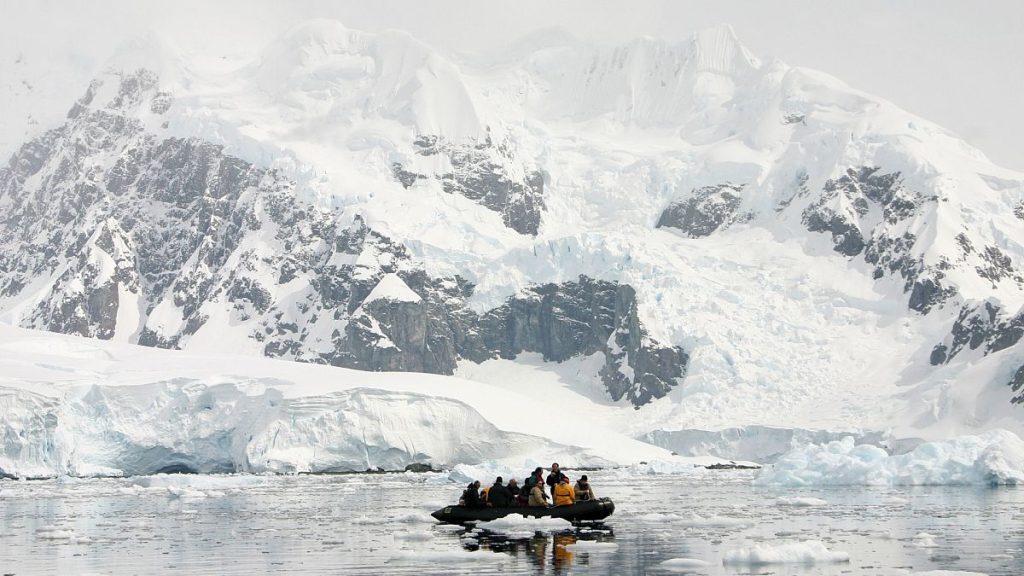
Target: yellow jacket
(536,496)
(564,494)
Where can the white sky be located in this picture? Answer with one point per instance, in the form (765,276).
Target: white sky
(958,63)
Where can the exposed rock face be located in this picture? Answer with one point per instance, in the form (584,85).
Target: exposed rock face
(868,212)
(849,202)
(565,320)
(175,232)
(987,325)
(706,210)
(1017,383)
(181,200)
(85,299)
(484,172)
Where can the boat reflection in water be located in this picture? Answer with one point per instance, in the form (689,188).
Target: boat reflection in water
(540,549)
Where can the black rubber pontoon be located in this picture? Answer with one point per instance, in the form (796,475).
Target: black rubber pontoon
(598,509)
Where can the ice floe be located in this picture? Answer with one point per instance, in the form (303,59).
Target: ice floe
(807,552)
(683,564)
(800,501)
(992,458)
(516,523)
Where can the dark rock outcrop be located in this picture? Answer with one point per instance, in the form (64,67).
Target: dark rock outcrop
(987,327)
(480,172)
(845,201)
(1017,384)
(706,210)
(561,321)
(861,211)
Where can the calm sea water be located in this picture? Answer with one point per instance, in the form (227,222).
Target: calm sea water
(380,524)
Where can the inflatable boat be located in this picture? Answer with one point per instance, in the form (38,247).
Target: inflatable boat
(598,509)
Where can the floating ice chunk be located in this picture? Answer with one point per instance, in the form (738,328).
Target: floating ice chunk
(656,517)
(802,501)
(948,573)
(993,458)
(591,546)
(807,552)
(55,533)
(412,519)
(925,540)
(683,564)
(516,523)
(175,492)
(713,521)
(693,521)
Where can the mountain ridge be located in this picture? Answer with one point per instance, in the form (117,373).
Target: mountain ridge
(516,204)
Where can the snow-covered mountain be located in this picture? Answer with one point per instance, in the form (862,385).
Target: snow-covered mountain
(721,242)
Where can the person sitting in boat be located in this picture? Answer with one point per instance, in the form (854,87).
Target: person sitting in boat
(498,495)
(583,490)
(535,479)
(555,478)
(563,493)
(524,492)
(471,497)
(514,491)
(537,496)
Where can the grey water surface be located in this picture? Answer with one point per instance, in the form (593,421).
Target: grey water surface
(380,524)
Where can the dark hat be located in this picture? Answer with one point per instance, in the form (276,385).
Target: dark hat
(583,478)
(498,480)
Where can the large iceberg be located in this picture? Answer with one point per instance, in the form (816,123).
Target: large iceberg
(992,458)
(195,427)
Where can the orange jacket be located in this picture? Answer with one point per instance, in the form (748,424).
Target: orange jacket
(564,494)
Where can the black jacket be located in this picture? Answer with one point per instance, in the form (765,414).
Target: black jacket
(472,498)
(554,478)
(499,496)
